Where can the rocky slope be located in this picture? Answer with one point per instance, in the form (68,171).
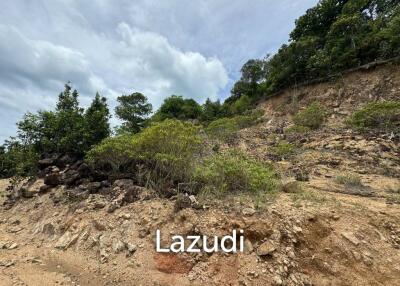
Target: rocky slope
(75,228)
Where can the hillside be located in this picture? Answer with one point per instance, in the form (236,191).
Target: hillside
(335,219)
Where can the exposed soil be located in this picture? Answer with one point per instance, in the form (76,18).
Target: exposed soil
(316,231)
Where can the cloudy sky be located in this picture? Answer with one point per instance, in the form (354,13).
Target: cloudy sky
(192,48)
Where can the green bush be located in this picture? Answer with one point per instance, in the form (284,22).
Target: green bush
(377,115)
(164,152)
(225,128)
(283,149)
(312,117)
(349,180)
(234,172)
(297,129)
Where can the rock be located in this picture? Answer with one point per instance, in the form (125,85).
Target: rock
(123,183)
(93,187)
(266,248)
(113,206)
(13,246)
(98,205)
(70,177)
(84,170)
(277,280)
(350,237)
(7,263)
(131,248)
(248,211)
(52,180)
(44,163)
(98,225)
(66,240)
(27,194)
(44,189)
(103,255)
(297,229)
(118,246)
(290,186)
(248,246)
(182,202)
(64,161)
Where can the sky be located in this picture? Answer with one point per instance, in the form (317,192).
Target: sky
(157,47)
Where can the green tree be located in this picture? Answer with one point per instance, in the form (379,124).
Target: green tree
(179,108)
(211,110)
(97,126)
(133,110)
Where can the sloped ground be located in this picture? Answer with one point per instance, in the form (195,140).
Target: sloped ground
(317,231)
(329,239)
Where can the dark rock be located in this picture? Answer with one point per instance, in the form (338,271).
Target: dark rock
(93,187)
(64,161)
(44,189)
(123,183)
(25,193)
(52,179)
(70,177)
(182,202)
(44,163)
(84,170)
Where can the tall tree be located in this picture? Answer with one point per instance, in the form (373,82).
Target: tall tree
(97,126)
(133,110)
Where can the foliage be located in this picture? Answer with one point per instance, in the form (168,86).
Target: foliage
(225,128)
(383,115)
(312,117)
(331,37)
(133,110)
(297,129)
(179,108)
(165,152)
(234,172)
(283,149)
(96,119)
(211,110)
(349,180)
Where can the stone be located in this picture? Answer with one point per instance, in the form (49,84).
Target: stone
(131,247)
(13,246)
(66,240)
(277,280)
(248,211)
(266,248)
(93,187)
(118,246)
(52,180)
(44,163)
(113,206)
(350,237)
(98,225)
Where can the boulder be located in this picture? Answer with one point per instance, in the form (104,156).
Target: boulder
(52,180)
(266,248)
(44,163)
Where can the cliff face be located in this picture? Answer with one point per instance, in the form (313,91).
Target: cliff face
(334,221)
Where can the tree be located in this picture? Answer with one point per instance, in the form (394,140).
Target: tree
(133,110)
(211,110)
(97,126)
(178,107)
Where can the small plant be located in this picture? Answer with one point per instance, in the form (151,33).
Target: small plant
(235,172)
(312,117)
(377,115)
(283,149)
(225,128)
(349,180)
(297,129)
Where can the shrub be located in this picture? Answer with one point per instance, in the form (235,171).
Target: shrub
(165,152)
(377,115)
(283,149)
(297,129)
(234,172)
(312,117)
(349,180)
(225,128)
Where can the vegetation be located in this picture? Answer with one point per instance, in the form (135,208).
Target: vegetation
(297,129)
(225,128)
(312,117)
(179,108)
(331,37)
(132,110)
(377,115)
(234,172)
(349,180)
(283,149)
(162,154)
